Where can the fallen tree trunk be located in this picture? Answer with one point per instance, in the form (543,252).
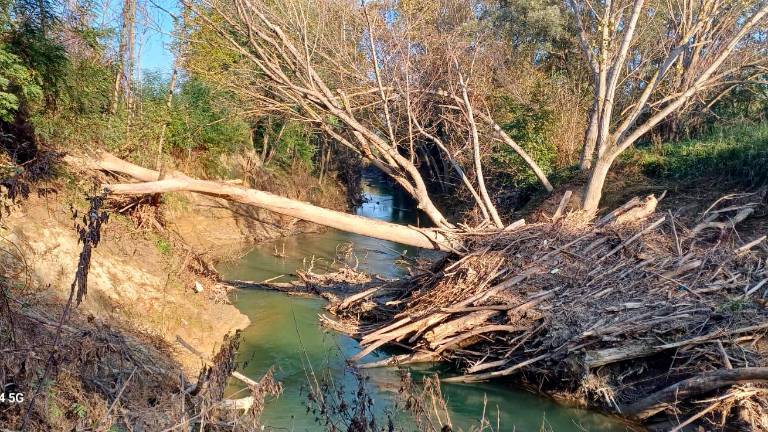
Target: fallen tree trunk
(696,386)
(178,182)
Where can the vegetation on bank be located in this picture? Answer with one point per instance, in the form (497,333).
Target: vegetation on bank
(480,102)
(70,82)
(736,154)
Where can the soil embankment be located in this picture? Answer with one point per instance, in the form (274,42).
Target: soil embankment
(134,278)
(153,316)
(150,271)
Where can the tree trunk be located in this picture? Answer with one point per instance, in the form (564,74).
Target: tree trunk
(120,75)
(694,387)
(594,189)
(179,182)
(130,46)
(477,159)
(590,141)
(166,120)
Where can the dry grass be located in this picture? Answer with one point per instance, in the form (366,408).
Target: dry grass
(77,372)
(108,378)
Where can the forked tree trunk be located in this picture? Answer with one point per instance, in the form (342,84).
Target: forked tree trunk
(179,182)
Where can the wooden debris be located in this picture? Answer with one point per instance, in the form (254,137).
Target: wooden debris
(553,300)
(695,386)
(563,205)
(641,211)
(593,359)
(730,223)
(749,245)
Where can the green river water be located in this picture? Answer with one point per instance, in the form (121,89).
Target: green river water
(285,334)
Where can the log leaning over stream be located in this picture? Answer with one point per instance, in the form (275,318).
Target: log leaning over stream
(178,182)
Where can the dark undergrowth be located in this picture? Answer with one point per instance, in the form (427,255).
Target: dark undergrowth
(737,155)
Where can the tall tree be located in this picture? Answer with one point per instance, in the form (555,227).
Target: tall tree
(125,56)
(356,73)
(649,59)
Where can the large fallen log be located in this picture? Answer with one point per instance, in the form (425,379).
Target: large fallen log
(696,386)
(178,182)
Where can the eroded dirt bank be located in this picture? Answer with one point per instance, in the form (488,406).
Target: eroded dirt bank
(150,286)
(135,279)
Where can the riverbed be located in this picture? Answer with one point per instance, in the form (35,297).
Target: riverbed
(285,335)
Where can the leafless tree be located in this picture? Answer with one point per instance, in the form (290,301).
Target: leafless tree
(355,73)
(651,58)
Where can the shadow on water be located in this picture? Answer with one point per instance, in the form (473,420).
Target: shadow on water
(285,334)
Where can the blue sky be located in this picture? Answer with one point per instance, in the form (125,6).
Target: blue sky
(153,33)
(157,38)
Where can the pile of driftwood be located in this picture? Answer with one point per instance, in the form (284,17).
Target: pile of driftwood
(639,313)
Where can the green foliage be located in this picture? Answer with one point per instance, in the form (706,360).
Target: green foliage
(35,67)
(200,120)
(733,305)
(42,55)
(736,153)
(535,22)
(67,95)
(55,412)
(163,246)
(744,103)
(531,125)
(86,89)
(289,141)
(81,411)
(210,55)
(17,84)
(82,130)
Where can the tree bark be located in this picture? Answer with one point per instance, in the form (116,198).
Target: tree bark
(179,182)
(593,191)
(477,158)
(590,140)
(121,78)
(691,387)
(166,120)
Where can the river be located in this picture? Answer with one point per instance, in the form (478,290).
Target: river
(285,335)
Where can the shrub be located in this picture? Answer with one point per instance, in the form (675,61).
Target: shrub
(16,84)
(531,125)
(289,142)
(545,113)
(737,153)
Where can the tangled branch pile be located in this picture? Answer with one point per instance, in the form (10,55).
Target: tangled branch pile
(638,318)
